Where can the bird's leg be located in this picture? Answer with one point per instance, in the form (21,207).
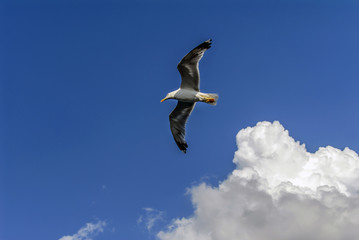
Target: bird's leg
(210,98)
(204,98)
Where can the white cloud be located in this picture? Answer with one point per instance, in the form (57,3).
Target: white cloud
(151,217)
(277,191)
(87,232)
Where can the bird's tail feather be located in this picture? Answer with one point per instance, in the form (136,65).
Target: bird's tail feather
(211,98)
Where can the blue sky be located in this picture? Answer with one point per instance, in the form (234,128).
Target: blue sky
(84,136)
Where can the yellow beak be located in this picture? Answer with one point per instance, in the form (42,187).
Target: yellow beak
(163,99)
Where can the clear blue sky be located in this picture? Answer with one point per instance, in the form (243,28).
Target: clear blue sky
(83,133)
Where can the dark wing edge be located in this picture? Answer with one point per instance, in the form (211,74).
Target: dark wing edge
(178,118)
(188,66)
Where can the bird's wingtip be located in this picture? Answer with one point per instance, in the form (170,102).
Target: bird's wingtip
(207,44)
(183,146)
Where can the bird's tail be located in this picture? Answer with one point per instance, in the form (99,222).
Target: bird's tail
(211,98)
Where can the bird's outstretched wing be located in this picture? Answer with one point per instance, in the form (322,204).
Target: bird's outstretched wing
(178,119)
(188,66)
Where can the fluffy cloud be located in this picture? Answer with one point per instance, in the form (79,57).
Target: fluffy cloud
(87,232)
(277,191)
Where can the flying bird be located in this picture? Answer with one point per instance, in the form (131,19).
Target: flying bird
(188,94)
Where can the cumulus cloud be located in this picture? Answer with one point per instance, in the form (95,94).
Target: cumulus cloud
(277,191)
(87,232)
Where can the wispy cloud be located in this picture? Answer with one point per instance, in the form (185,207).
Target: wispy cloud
(277,191)
(150,218)
(87,232)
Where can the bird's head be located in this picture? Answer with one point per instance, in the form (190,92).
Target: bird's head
(170,95)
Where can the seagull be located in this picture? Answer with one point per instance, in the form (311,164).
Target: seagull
(188,94)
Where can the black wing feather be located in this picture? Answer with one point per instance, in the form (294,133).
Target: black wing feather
(188,66)
(178,119)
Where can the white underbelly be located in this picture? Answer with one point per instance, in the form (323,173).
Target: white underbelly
(187,95)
